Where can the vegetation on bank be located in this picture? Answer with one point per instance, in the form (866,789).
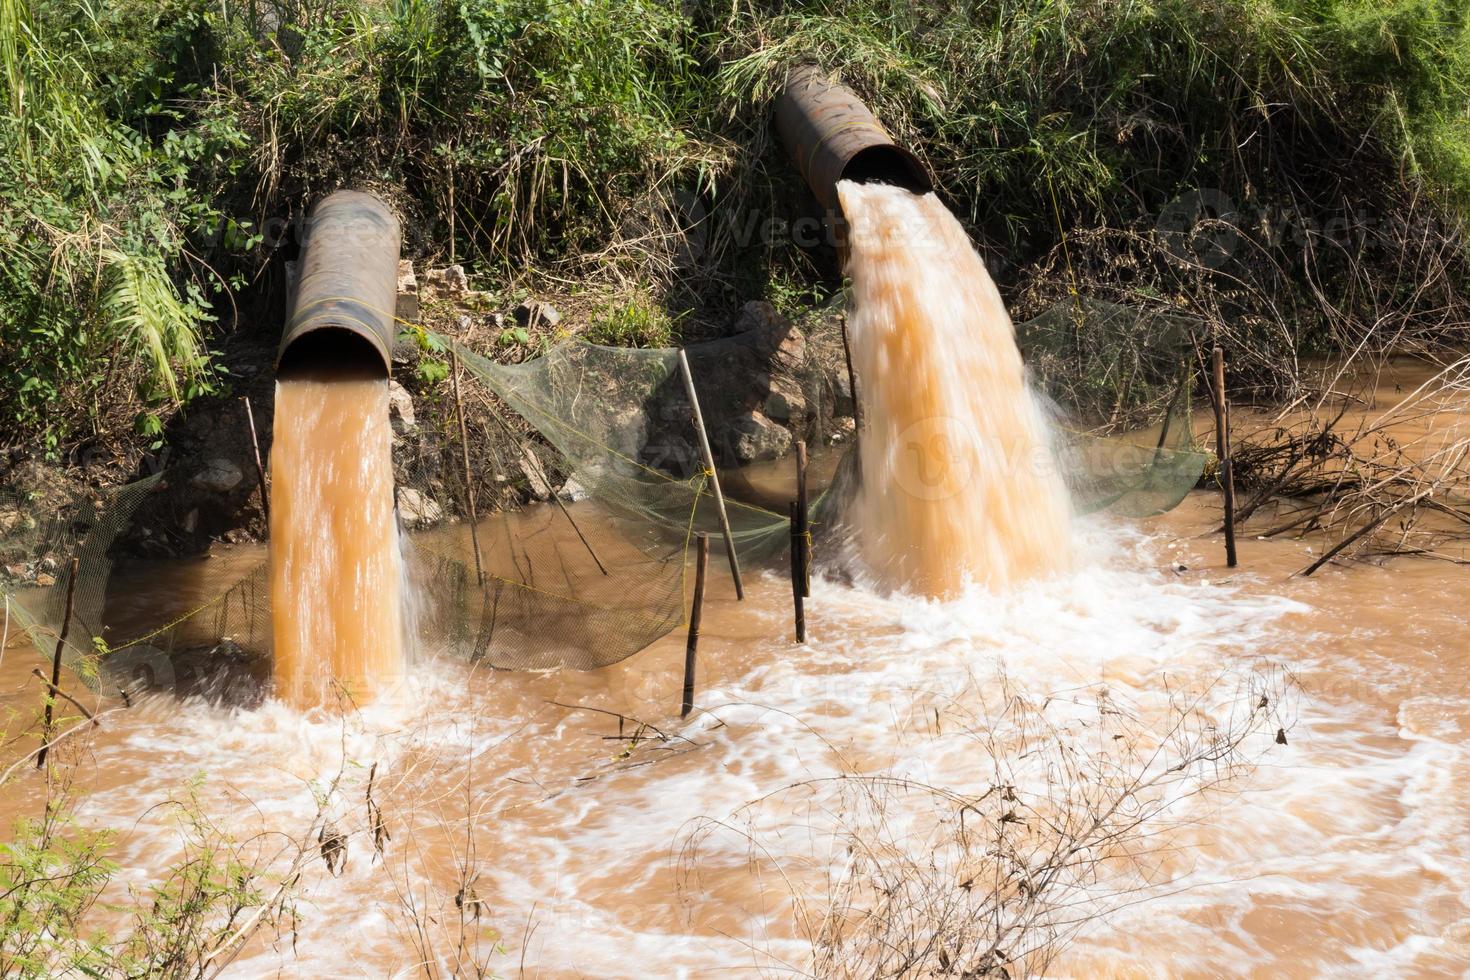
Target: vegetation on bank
(1296,171)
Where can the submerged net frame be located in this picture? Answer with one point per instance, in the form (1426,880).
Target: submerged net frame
(617,423)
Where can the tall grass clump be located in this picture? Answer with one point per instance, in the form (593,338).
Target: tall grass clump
(99,315)
(512,131)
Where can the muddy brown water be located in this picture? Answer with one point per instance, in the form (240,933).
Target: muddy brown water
(1345,852)
(335,559)
(957,485)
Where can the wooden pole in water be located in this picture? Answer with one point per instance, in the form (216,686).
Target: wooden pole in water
(464,453)
(265,503)
(1222,451)
(857,406)
(71,593)
(556,496)
(714,478)
(804,514)
(691,648)
(798,572)
(509,434)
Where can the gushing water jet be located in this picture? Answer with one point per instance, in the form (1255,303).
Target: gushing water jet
(336,567)
(957,483)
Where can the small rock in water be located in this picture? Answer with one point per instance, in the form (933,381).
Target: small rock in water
(218,476)
(532,312)
(1180,568)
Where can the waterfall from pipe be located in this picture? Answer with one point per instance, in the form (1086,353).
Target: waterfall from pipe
(958,482)
(336,568)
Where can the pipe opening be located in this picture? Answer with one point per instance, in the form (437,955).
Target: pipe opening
(346,353)
(888,165)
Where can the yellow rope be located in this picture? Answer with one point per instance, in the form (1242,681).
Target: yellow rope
(188,615)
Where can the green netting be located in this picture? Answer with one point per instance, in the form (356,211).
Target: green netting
(1121,381)
(589,582)
(178,638)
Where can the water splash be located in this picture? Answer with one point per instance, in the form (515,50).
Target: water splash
(958,480)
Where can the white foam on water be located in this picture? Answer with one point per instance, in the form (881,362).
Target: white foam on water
(599,871)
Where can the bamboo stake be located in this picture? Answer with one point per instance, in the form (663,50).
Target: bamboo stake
(691,649)
(265,503)
(798,573)
(547,480)
(1222,451)
(714,478)
(857,406)
(580,536)
(71,593)
(62,694)
(464,454)
(804,515)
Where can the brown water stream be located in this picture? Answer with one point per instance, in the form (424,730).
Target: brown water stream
(957,482)
(1346,852)
(335,562)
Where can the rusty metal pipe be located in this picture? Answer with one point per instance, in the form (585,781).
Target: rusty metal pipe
(342,308)
(832,136)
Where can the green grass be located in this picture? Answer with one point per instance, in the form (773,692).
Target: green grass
(634,322)
(539,134)
(95,309)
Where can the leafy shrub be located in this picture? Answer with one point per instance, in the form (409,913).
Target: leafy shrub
(96,311)
(146,144)
(637,322)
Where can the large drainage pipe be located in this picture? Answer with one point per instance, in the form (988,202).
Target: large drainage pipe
(832,136)
(342,309)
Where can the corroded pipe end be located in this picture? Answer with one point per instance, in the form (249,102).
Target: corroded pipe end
(342,310)
(832,136)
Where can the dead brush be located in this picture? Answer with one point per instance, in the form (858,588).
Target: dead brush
(1072,814)
(1377,483)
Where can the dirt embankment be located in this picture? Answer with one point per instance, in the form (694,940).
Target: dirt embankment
(765,382)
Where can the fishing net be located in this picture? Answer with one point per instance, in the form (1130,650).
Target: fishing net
(597,569)
(589,583)
(179,638)
(1120,380)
